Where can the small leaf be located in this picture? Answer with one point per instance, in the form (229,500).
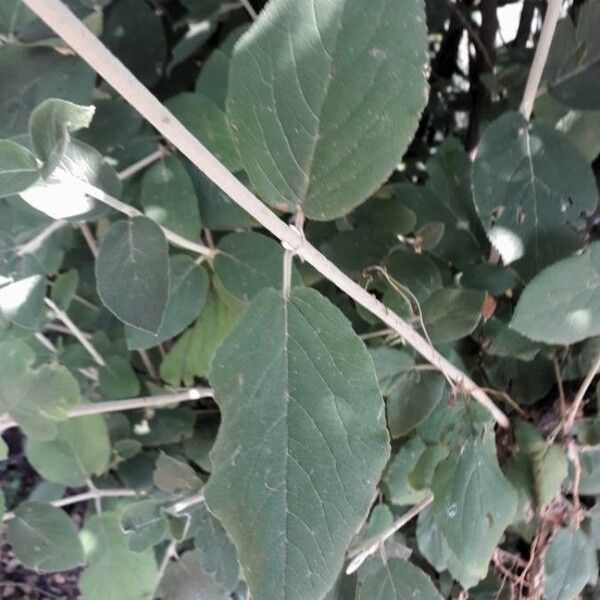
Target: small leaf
(132,273)
(473,522)
(414,398)
(114,572)
(311,447)
(208,123)
(320,112)
(169,199)
(80,450)
(188,292)
(529,184)
(22,291)
(399,490)
(417,272)
(193,353)
(247,263)
(64,288)
(172,475)
(44,538)
(216,551)
(561,305)
(569,563)
(185,577)
(62,195)
(118,379)
(144,525)
(452,313)
(396,579)
(50,126)
(134,33)
(18,168)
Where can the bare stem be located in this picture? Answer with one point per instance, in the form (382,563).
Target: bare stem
(109,406)
(186,503)
(61,20)
(88,236)
(140,165)
(94,494)
(249,9)
(581,394)
(34,244)
(360,553)
(540,57)
(61,315)
(130,211)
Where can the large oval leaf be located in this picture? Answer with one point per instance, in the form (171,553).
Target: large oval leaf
(529,182)
(132,273)
(301,445)
(561,305)
(324,97)
(18,168)
(44,538)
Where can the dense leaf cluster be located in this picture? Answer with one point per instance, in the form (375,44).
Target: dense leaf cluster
(282,444)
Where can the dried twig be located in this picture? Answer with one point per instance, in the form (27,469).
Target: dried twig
(581,394)
(540,57)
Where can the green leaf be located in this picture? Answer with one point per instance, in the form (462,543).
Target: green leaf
(114,572)
(118,379)
(144,525)
(529,184)
(417,272)
(414,398)
(198,446)
(188,292)
(132,273)
(208,123)
(247,263)
(473,501)
(134,33)
(310,449)
(169,199)
(396,579)
(22,291)
(193,353)
(320,112)
(573,68)
(503,341)
(2,502)
(33,74)
(569,563)
(50,126)
(38,398)
(44,538)
(80,450)
(64,288)
(216,551)
(561,305)
(184,578)
(447,198)
(452,313)
(399,489)
(18,168)
(14,15)
(172,475)
(62,194)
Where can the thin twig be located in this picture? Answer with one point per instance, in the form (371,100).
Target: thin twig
(61,20)
(140,165)
(581,394)
(84,497)
(561,391)
(540,57)
(130,211)
(360,553)
(249,9)
(88,236)
(61,315)
(185,504)
(170,552)
(109,406)
(34,244)
(150,368)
